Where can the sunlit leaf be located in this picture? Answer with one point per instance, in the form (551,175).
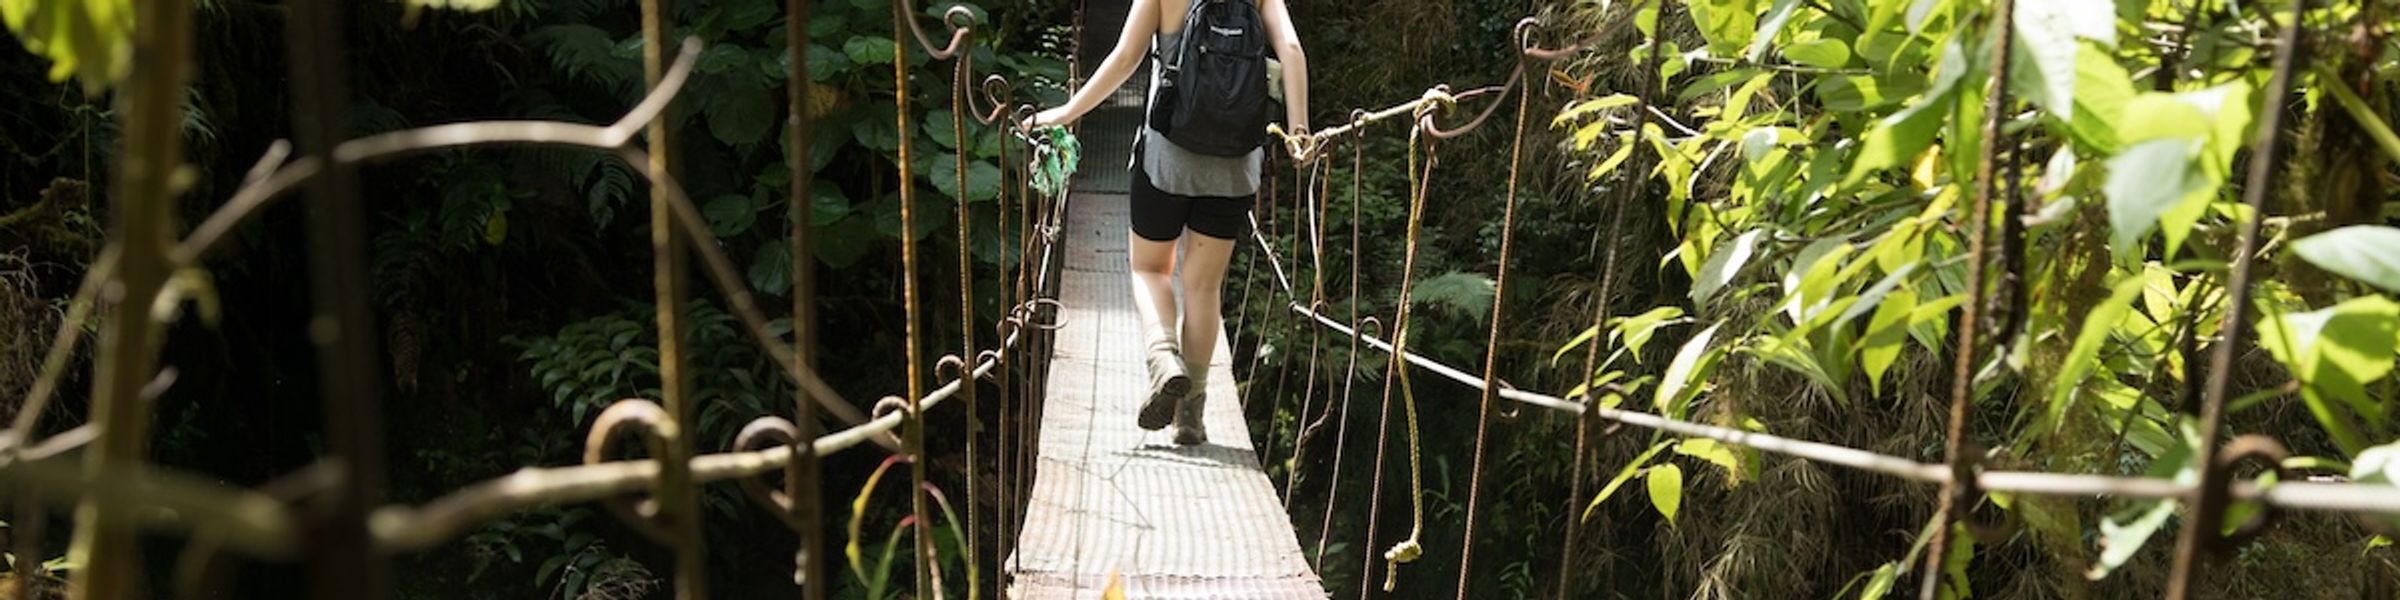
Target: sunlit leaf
(2145,181)
(1666,489)
(2084,356)
(2369,254)
(1823,53)
(1623,475)
(1724,264)
(1687,372)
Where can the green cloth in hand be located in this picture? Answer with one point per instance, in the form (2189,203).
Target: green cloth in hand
(1055,161)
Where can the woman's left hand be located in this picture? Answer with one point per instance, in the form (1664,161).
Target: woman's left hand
(1052,116)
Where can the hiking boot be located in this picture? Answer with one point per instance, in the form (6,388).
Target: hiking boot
(1189,430)
(1168,385)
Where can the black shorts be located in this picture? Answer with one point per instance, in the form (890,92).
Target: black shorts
(1161,217)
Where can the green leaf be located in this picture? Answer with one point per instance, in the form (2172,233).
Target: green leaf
(1666,489)
(1467,295)
(741,116)
(1724,264)
(983,179)
(2098,324)
(1727,24)
(1887,331)
(2335,352)
(729,215)
(771,267)
(1777,16)
(1585,108)
(2119,540)
(2145,181)
(88,39)
(1882,582)
(1623,475)
(842,243)
(2369,254)
(2046,32)
(1740,463)
(1638,329)
(1898,138)
(870,50)
(1691,367)
(1824,53)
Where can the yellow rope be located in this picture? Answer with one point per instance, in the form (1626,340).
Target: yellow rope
(1408,550)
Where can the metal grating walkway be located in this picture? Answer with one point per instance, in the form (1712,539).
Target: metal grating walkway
(1175,522)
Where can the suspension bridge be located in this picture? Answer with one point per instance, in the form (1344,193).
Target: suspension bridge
(1085,503)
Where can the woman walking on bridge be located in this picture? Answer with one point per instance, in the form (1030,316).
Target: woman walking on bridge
(1195,172)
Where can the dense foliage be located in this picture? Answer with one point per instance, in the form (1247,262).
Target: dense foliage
(512,285)
(1791,260)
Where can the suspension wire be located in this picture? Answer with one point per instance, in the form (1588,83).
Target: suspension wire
(1491,354)
(1341,436)
(1959,494)
(804,483)
(1629,183)
(1383,430)
(1315,228)
(2200,537)
(1283,373)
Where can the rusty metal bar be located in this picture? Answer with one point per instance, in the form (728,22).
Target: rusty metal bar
(1956,498)
(804,484)
(966,304)
(341,548)
(914,434)
(678,515)
(151,109)
(1491,354)
(2200,539)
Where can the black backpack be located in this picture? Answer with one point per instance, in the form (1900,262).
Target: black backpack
(1212,96)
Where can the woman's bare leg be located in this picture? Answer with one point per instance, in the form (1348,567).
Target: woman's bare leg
(1203,275)
(1152,264)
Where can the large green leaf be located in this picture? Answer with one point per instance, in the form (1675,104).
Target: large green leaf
(771,267)
(2084,355)
(983,179)
(1666,489)
(2367,253)
(870,50)
(1727,24)
(1687,372)
(88,39)
(2335,352)
(1724,264)
(1887,331)
(1824,53)
(1903,135)
(1625,474)
(2046,45)
(729,215)
(2145,181)
(740,116)
(1467,295)
(1777,16)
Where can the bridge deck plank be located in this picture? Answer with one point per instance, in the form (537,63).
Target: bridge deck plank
(1175,522)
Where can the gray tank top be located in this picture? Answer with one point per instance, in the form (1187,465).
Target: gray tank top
(1175,170)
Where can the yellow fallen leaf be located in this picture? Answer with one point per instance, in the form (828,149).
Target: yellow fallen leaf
(1115,590)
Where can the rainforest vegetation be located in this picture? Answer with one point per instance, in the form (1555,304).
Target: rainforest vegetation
(1757,214)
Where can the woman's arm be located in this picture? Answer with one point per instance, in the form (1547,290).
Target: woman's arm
(1132,46)
(1295,63)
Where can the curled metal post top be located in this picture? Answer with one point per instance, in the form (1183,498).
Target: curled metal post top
(960,19)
